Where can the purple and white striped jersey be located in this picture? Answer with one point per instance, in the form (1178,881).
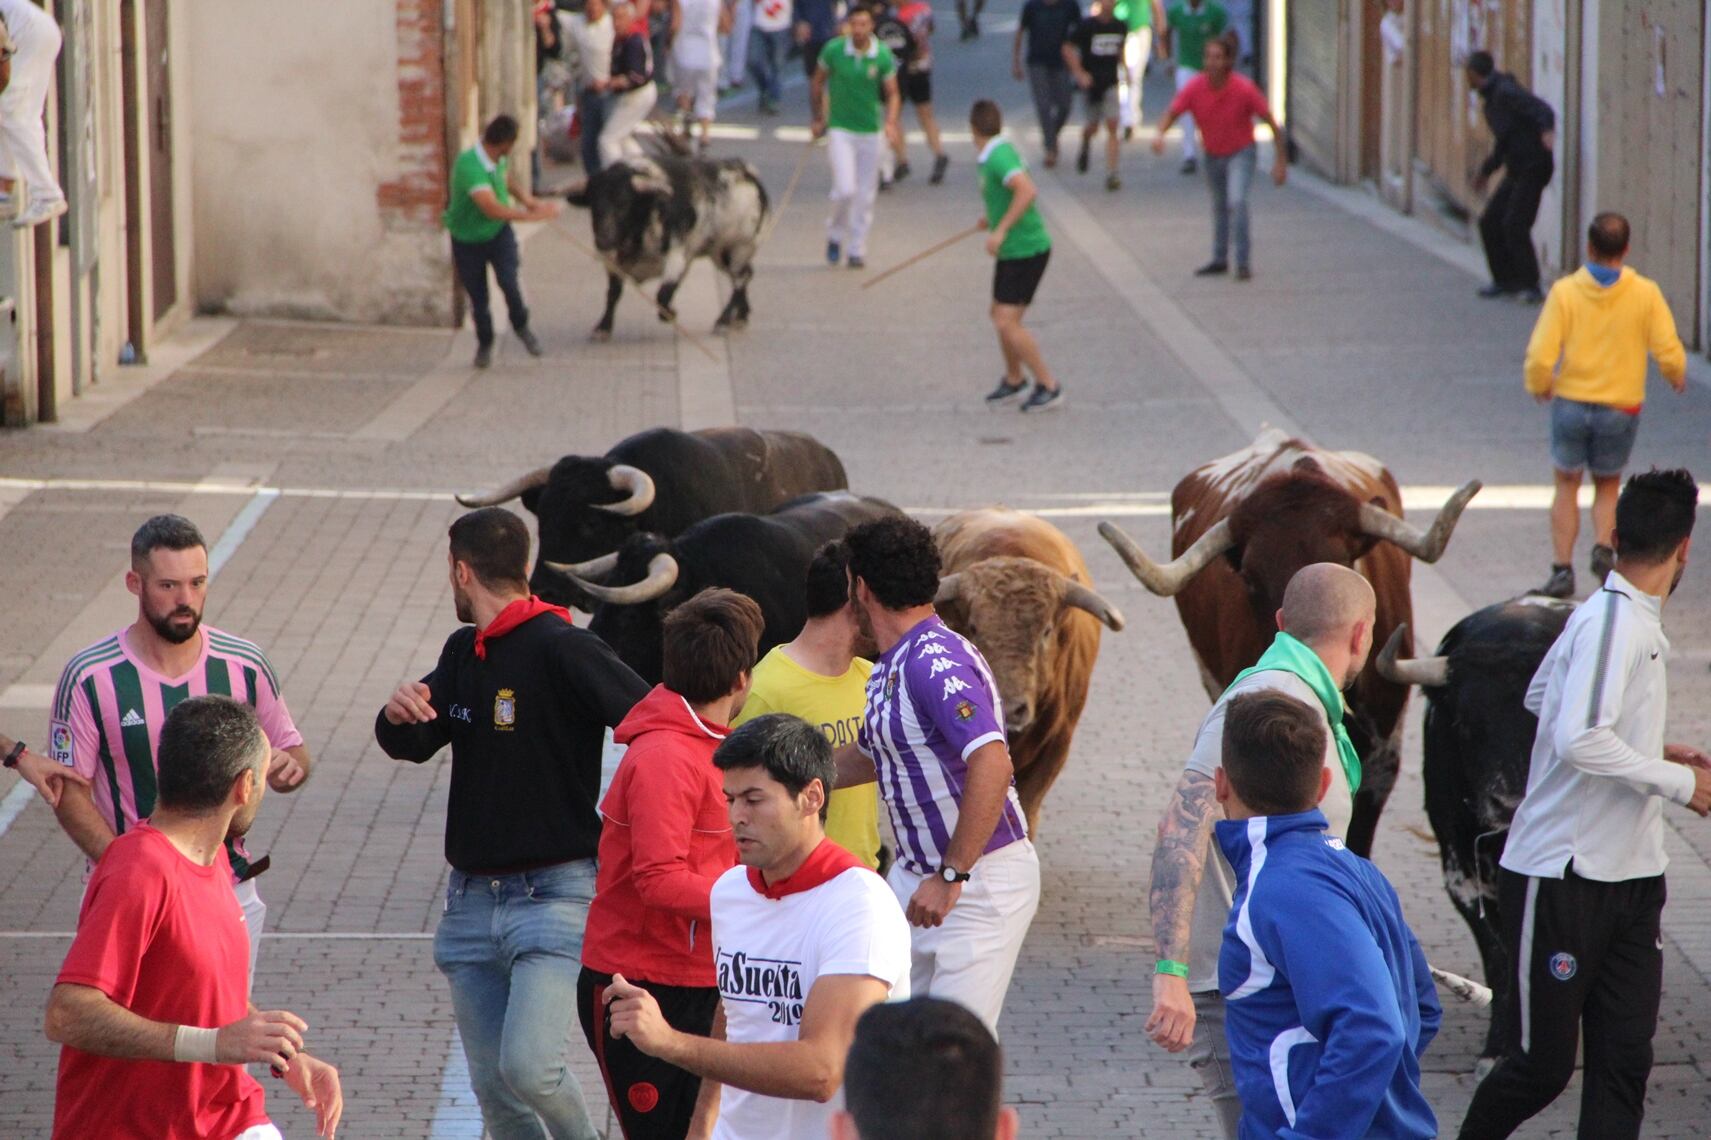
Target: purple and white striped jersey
(931,702)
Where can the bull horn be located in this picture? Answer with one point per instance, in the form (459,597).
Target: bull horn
(1089,599)
(637,482)
(1427,546)
(593,569)
(535,478)
(949,585)
(1431,672)
(1167,580)
(662,576)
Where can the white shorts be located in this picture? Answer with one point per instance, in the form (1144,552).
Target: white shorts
(702,83)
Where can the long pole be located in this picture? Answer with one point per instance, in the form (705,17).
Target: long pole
(665,314)
(936,247)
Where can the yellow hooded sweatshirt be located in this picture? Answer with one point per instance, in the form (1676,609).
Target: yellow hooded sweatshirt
(1601,335)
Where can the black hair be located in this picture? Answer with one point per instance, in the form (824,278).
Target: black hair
(501,129)
(494,543)
(163,532)
(1654,514)
(788,748)
(205,744)
(923,1069)
(828,580)
(1274,750)
(897,558)
(1481,64)
(1609,234)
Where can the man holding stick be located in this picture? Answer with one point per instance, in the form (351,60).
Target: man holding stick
(856,77)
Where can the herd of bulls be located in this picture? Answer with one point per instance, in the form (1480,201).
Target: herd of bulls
(665,513)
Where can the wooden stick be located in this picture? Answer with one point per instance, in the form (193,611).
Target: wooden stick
(789,191)
(936,247)
(665,314)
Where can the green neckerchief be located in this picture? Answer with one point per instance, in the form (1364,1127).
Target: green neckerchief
(1291,656)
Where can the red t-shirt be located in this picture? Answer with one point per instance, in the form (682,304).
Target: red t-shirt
(1225,115)
(164,938)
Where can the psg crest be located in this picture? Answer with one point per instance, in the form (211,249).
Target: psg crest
(1563,966)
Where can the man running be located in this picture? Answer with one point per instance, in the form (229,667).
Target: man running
(152,1004)
(854,93)
(1094,53)
(114,696)
(1189,24)
(1141,17)
(916,80)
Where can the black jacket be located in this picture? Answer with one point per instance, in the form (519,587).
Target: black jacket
(1518,120)
(526,727)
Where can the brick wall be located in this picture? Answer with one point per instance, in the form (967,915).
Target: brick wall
(418,193)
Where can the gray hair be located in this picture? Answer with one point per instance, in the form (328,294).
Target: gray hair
(791,750)
(205,744)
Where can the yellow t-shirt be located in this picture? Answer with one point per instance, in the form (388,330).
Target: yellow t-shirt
(835,704)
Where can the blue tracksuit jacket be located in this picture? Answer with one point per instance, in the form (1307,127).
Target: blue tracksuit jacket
(1328,999)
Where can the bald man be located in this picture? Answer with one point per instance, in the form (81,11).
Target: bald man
(1325,634)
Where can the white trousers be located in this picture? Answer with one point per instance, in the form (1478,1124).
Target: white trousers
(624,113)
(23,133)
(255,921)
(855,185)
(1183,75)
(970,958)
(1137,49)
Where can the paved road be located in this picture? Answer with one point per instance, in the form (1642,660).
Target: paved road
(1349,333)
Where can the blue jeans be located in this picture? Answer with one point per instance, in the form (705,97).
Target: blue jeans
(511,948)
(472,260)
(591,109)
(767,53)
(1230,177)
(1591,436)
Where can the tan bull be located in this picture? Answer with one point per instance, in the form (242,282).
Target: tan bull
(1019,589)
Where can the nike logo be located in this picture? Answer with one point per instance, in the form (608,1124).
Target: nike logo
(132,719)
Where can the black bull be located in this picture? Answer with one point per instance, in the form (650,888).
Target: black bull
(1478,743)
(763,556)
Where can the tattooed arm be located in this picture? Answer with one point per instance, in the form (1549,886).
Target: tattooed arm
(1179,860)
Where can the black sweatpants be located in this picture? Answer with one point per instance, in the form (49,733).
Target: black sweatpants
(472,260)
(654,1100)
(1586,954)
(1506,227)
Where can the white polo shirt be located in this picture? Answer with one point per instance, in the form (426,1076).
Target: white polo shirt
(769,952)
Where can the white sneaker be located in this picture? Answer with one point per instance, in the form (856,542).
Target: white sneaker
(41,210)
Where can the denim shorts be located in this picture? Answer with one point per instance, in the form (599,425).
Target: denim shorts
(1592,437)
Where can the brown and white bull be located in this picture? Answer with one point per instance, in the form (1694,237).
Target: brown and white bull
(1018,588)
(1244,524)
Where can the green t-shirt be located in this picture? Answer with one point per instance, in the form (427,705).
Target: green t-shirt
(855,85)
(998,163)
(1137,14)
(463,219)
(1190,28)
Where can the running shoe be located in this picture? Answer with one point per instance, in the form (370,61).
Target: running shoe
(1189,166)
(1112,182)
(939,164)
(1213,269)
(901,172)
(483,355)
(1005,392)
(834,253)
(1243,273)
(1494,290)
(530,341)
(1040,400)
(1560,584)
(856,262)
(1081,158)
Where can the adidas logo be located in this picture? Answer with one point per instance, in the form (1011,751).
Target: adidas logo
(133,719)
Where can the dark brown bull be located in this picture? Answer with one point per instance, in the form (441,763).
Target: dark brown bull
(1244,524)
(1019,589)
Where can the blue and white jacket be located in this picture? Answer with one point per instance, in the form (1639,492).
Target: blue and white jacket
(1328,999)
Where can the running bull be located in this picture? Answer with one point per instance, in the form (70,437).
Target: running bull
(763,556)
(654,216)
(1018,588)
(1244,524)
(1478,745)
(659,481)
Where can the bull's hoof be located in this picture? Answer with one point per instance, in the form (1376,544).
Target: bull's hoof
(666,316)
(739,322)
(600,335)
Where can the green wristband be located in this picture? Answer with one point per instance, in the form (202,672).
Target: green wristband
(1174,969)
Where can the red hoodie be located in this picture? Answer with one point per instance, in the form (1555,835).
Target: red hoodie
(665,838)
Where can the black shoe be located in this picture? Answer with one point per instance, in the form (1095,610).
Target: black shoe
(1005,392)
(1603,559)
(939,164)
(1560,584)
(855,262)
(1530,297)
(483,355)
(1128,133)
(1189,166)
(1213,269)
(1040,400)
(901,172)
(530,341)
(974,27)
(1494,290)
(1081,159)
(1243,273)
(1112,182)
(885,185)
(833,252)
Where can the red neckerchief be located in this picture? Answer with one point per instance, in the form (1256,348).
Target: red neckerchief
(512,616)
(825,863)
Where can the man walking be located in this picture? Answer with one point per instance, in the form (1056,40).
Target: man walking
(916,81)
(854,85)
(664,840)
(1330,1000)
(818,677)
(524,699)
(114,696)
(1019,243)
(1523,129)
(1587,360)
(1189,26)
(806,940)
(589,33)
(36,43)
(768,47)
(1095,57)
(152,1004)
(1225,103)
(478,217)
(1141,17)
(924,1069)
(932,733)
(1325,634)
(1582,886)
(1047,25)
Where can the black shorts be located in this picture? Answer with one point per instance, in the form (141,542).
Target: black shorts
(1014,279)
(654,1100)
(917,86)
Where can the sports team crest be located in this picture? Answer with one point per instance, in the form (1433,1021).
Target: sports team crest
(964,710)
(1563,966)
(505,710)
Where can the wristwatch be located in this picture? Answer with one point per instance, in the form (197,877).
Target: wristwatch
(951,875)
(11,760)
